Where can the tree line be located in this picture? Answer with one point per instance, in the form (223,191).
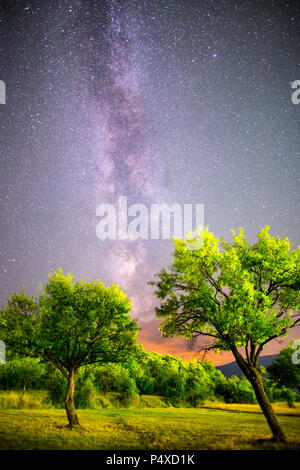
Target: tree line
(178,382)
(237,296)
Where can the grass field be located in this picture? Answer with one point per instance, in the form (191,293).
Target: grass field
(152,428)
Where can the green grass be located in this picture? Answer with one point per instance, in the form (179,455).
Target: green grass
(279,408)
(15,400)
(27,421)
(151,428)
(39,399)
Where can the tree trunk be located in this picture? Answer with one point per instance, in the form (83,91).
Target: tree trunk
(267,409)
(69,401)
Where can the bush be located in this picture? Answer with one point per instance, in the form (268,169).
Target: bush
(198,386)
(235,390)
(56,384)
(22,374)
(127,387)
(86,394)
(109,376)
(290,397)
(114,377)
(279,393)
(144,381)
(283,372)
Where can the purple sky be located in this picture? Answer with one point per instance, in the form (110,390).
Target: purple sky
(161,101)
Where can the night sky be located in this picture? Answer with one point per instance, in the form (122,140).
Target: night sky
(161,101)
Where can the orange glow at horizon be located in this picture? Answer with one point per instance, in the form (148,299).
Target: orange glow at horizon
(153,342)
(179,348)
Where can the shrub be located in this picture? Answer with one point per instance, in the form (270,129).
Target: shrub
(114,377)
(275,392)
(22,373)
(86,394)
(109,377)
(127,387)
(235,390)
(198,386)
(56,384)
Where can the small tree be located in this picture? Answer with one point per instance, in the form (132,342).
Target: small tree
(284,370)
(198,386)
(71,324)
(239,296)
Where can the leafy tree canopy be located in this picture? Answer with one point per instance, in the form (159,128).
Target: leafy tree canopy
(70,324)
(239,295)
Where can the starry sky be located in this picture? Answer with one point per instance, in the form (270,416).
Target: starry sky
(163,101)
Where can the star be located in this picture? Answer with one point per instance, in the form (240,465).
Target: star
(116,98)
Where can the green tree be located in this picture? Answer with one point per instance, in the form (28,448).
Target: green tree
(237,296)
(110,376)
(284,370)
(235,390)
(70,325)
(198,385)
(22,373)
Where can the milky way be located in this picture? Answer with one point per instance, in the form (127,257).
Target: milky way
(161,101)
(125,163)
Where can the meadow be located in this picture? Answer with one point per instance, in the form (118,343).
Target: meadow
(211,426)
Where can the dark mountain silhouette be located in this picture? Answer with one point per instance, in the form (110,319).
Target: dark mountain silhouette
(233,369)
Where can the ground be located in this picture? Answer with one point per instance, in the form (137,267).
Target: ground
(152,428)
